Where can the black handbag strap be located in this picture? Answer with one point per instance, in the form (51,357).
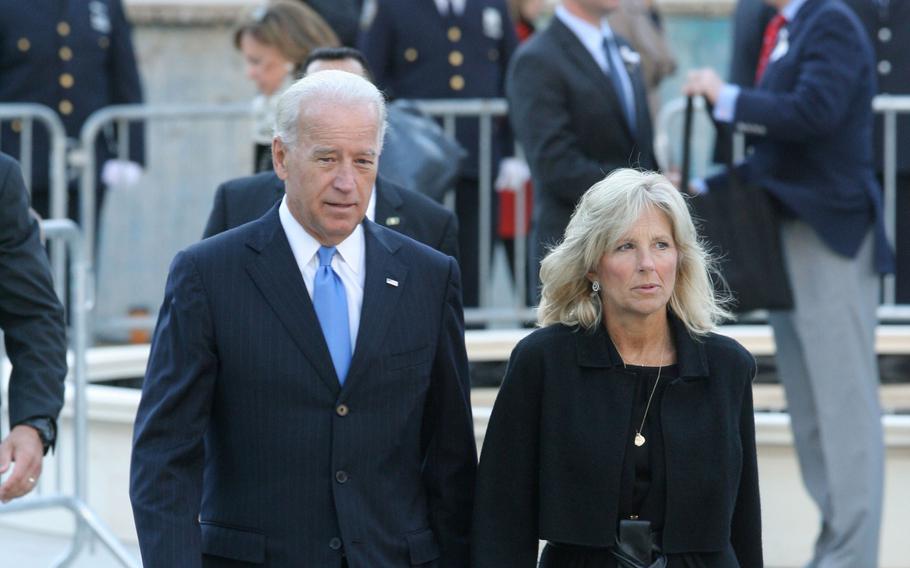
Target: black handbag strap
(720,128)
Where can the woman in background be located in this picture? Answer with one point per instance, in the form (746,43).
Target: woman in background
(623,433)
(275,41)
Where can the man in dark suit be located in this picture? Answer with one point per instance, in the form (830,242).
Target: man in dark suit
(447,49)
(242,200)
(31,318)
(306,401)
(811,108)
(74,56)
(578,107)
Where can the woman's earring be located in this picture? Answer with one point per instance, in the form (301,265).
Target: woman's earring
(595,286)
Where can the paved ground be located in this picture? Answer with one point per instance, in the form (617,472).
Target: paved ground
(22,549)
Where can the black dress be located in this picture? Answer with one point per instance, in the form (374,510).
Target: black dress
(643,487)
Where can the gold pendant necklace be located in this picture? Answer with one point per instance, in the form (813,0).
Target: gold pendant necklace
(639,437)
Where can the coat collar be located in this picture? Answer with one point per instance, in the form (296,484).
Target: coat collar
(596,349)
(388,203)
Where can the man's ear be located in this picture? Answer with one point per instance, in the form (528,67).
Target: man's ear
(279,155)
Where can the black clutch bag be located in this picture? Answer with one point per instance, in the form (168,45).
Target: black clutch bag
(635,546)
(741,226)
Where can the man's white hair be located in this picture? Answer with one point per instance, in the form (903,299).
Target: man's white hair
(330,86)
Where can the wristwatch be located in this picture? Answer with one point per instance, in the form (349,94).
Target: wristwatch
(46,428)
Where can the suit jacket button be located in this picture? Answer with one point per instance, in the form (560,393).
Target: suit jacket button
(342,410)
(341,476)
(335,543)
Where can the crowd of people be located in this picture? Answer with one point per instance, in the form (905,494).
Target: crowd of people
(307,396)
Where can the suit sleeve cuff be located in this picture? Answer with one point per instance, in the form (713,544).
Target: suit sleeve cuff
(725,106)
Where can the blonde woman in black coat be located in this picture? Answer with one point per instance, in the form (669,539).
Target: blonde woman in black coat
(623,434)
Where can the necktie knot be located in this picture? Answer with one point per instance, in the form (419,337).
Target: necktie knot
(325,256)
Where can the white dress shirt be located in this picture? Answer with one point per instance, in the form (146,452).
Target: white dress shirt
(457,6)
(349,263)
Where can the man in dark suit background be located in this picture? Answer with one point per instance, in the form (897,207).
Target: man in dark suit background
(31,318)
(306,401)
(578,107)
(812,110)
(245,199)
(447,49)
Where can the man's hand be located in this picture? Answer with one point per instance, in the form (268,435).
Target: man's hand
(703,82)
(23,446)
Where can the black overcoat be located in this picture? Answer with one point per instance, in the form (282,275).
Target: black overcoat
(554,449)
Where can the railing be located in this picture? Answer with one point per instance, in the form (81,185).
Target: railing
(88,523)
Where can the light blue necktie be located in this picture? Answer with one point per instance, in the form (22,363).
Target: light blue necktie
(331,304)
(621,81)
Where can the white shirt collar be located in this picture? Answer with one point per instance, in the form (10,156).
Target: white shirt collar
(457,6)
(305,246)
(589,35)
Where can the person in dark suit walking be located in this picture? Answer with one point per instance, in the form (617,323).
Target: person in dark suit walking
(623,433)
(447,49)
(245,199)
(579,108)
(812,109)
(306,401)
(31,318)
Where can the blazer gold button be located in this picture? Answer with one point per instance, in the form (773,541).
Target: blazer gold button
(16,125)
(410,54)
(23,44)
(65,107)
(456,82)
(456,59)
(341,476)
(342,410)
(65,53)
(63,29)
(66,80)
(454,33)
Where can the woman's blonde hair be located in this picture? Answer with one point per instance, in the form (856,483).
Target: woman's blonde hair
(293,28)
(605,213)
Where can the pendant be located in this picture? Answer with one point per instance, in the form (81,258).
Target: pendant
(639,439)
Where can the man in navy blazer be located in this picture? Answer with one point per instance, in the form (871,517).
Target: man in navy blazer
(811,109)
(306,401)
(245,199)
(569,116)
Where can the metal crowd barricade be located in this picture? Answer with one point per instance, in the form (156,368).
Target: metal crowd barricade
(27,114)
(485,110)
(888,105)
(88,523)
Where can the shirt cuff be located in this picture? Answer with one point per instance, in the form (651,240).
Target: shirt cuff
(725,106)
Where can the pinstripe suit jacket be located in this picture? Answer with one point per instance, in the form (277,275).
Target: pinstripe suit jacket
(247,451)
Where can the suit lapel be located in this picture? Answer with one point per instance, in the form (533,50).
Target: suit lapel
(589,68)
(383,286)
(388,205)
(277,276)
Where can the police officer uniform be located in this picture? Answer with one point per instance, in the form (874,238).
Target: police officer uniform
(888,25)
(446,49)
(74,56)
